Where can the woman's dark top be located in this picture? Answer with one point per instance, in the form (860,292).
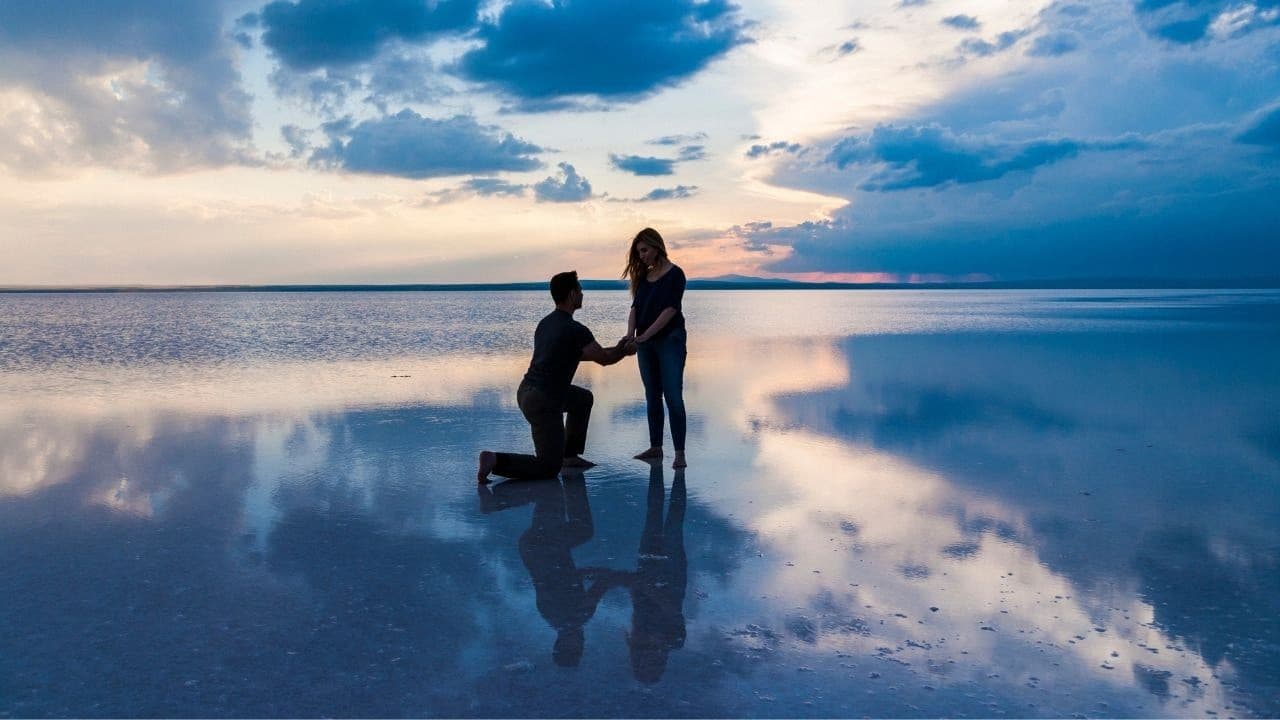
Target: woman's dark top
(654,297)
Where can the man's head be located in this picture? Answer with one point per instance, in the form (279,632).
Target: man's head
(566,290)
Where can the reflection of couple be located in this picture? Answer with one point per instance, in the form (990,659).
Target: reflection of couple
(655,334)
(567,596)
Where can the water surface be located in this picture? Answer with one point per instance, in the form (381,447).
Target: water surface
(1023,503)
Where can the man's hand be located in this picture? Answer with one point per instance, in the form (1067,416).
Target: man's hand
(627,345)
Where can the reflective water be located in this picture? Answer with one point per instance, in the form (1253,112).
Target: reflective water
(898,504)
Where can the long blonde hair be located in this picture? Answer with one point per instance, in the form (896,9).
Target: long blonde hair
(635,268)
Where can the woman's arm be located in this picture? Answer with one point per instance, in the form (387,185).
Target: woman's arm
(631,323)
(664,317)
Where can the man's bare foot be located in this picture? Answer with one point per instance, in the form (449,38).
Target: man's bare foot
(650,454)
(488,460)
(573,461)
(679,462)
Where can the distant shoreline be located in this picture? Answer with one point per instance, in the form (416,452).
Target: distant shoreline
(708,284)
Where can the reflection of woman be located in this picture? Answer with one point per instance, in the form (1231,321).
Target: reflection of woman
(658,585)
(657,326)
(561,522)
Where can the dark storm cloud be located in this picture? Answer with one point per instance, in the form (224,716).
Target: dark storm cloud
(409,145)
(930,156)
(567,186)
(536,50)
(643,166)
(187,109)
(310,34)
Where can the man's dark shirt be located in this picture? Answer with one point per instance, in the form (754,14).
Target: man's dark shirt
(654,297)
(557,349)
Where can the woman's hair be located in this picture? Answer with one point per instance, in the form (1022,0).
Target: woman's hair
(636,269)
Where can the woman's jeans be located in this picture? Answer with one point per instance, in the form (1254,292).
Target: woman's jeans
(662,370)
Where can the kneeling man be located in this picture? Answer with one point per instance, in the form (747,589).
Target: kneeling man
(547,392)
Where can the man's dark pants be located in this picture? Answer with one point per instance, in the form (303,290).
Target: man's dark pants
(554,439)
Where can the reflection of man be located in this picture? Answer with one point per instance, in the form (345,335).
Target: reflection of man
(561,522)
(547,392)
(658,584)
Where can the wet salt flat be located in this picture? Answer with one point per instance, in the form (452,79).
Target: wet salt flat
(1031,503)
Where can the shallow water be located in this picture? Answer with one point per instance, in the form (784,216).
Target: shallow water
(1037,503)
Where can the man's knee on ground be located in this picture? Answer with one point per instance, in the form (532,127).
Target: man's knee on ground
(550,466)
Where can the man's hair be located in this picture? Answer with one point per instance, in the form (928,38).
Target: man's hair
(564,283)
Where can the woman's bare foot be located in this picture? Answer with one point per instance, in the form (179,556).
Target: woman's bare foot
(573,461)
(679,461)
(650,454)
(488,460)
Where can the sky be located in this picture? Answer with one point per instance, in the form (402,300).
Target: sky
(163,142)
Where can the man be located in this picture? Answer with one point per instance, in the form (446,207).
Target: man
(547,392)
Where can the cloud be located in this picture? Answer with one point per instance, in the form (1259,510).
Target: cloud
(476,187)
(1131,160)
(488,187)
(148,85)
(693,153)
(756,151)
(848,47)
(678,139)
(962,22)
(1220,236)
(567,187)
(401,79)
(987,48)
(313,34)
(1190,21)
(678,192)
(297,138)
(538,50)
(643,166)
(930,156)
(1263,129)
(1054,44)
(409,145)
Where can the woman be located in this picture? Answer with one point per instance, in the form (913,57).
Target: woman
(656,325)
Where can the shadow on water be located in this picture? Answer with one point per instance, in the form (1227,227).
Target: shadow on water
(659,582)
(567,596)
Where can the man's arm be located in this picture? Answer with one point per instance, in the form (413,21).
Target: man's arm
(604,356)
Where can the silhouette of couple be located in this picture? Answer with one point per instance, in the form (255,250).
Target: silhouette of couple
(655,334)
(567,596)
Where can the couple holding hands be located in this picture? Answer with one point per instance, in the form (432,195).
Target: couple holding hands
(655,335)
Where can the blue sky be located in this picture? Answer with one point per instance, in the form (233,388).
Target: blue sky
(427,141)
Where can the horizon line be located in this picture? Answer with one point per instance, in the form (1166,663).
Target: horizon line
(720,283)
